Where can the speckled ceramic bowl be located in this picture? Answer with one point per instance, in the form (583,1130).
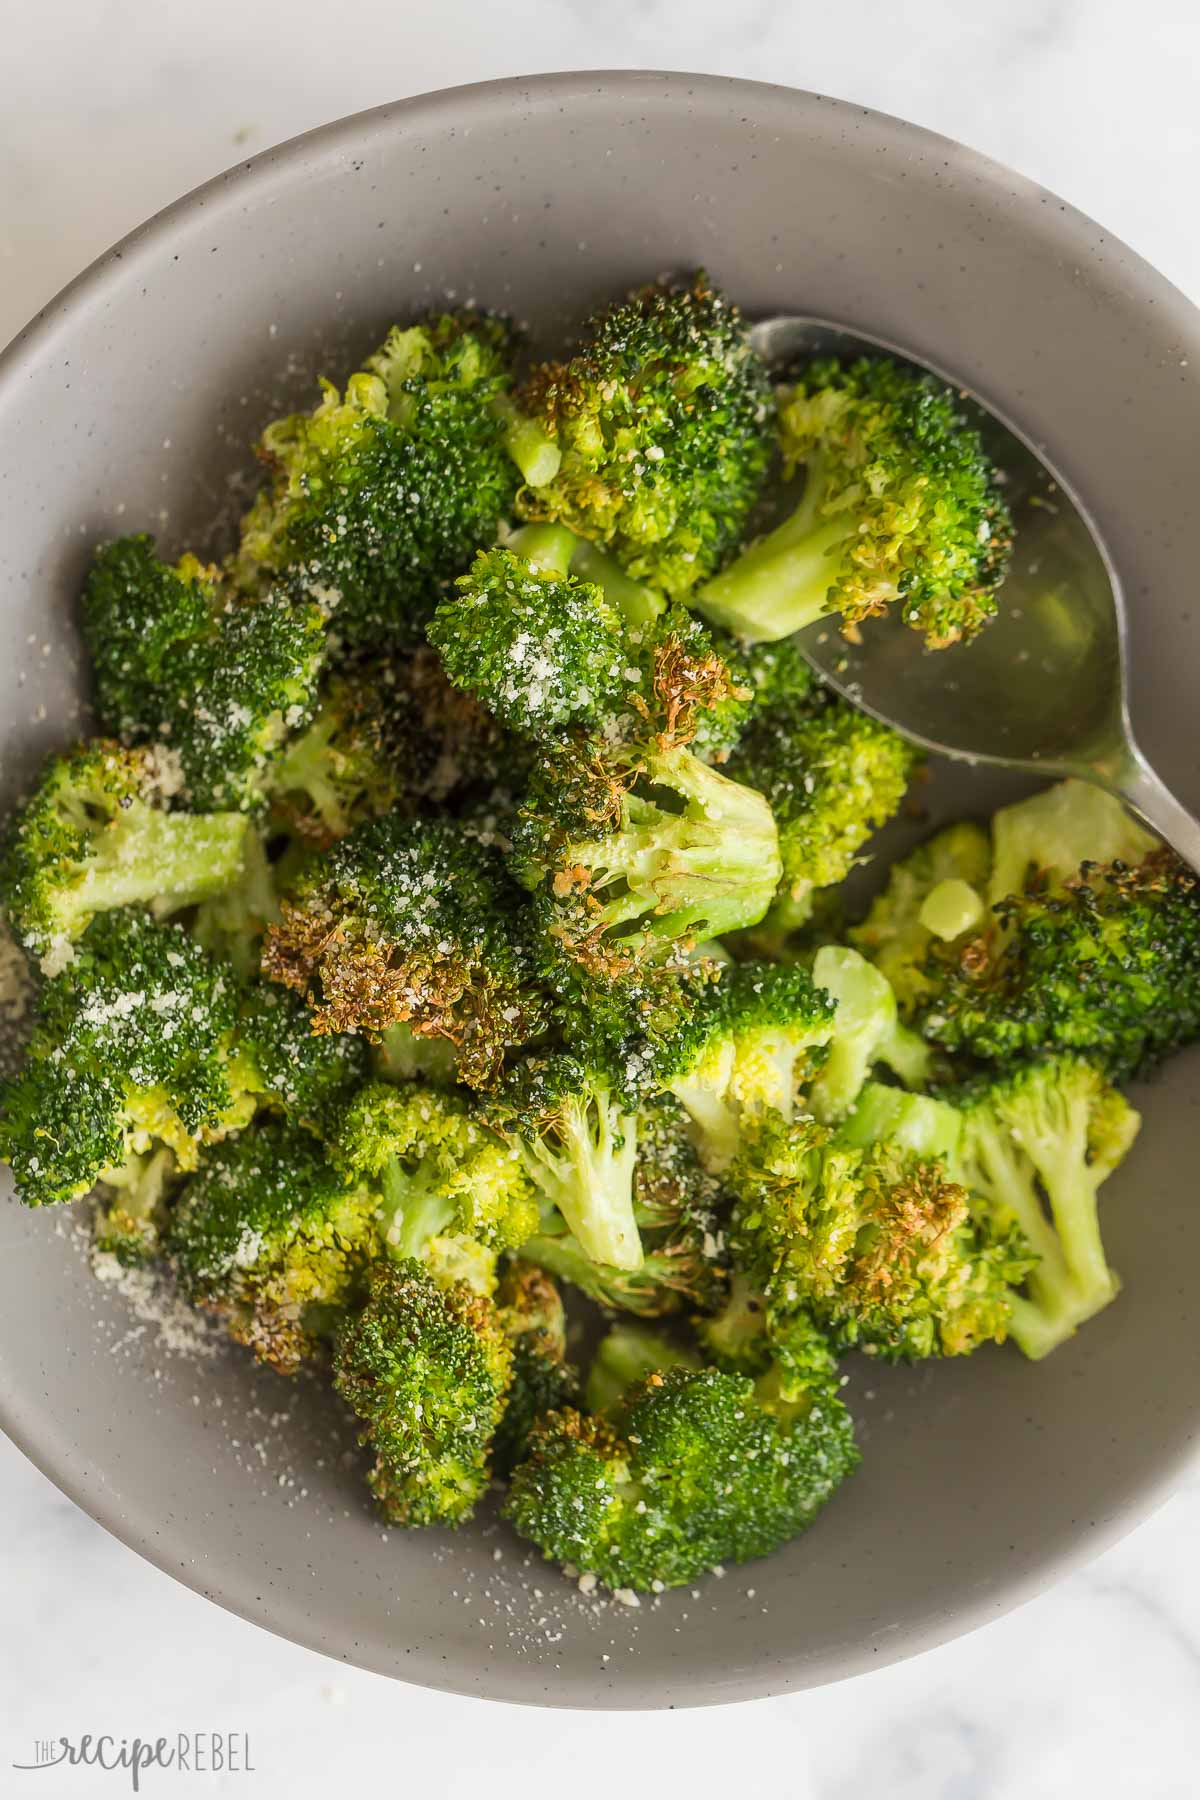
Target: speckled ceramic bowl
(130,403)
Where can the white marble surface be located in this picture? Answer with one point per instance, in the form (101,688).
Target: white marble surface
(111,108)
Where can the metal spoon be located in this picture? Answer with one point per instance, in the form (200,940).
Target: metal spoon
(1042,688)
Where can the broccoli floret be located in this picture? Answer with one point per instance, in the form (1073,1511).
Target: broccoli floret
(531,1312)
(1101,958)
(134,1047)
(900,507)
(676,1206)
(544,649)
(130,1208)
(936,892)
(575,1128)
(267,1235)
(441,1176)
(690,1472)
(427,1369)
(177,661)
(1048,1135)
(866,1031)
(349,764)
(831,776)
(635,841)
(381,494)
(98,834)
(755,1036)
(540,648)
(877,1242)
(411,922)
(662,420)
(641,848)
(309,1076)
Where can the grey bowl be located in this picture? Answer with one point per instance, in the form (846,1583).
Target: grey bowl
(129,403)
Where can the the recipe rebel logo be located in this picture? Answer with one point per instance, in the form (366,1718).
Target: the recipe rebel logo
(186,1753)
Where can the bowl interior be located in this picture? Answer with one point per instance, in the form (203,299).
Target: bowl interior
(130,404)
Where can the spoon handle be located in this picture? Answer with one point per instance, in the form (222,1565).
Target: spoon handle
(1154,803)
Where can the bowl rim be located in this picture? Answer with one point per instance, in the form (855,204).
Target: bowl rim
(36,1439)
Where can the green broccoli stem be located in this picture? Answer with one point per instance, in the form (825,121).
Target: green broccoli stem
(232,922)
(716,1117)
(304,769)
(547,548)
(736,1336)
(1071,1280)
(866,1031)
(626,1356)
(415,1209)
(401,1055)
(587,1173)
(165,860)
(637,605)
(533,450)
(710,867)
(780,584)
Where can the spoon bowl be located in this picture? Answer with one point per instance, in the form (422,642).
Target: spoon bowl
(1042,688)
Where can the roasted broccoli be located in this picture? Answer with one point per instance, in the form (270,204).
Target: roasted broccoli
(1045,1137)
(531,1312)
(1097,953)
(936,894)
(450,1191)
(575,1130)
(875,1239)
(899,508)
(427,1368)
(689,1471)
(756,1034)
(309,1076)
(99,833)
(179,662)
(134,1047)
(662,418)
(642,848)
(540,648)
(411,922)
(831,776)
(381,494)
(268,1235)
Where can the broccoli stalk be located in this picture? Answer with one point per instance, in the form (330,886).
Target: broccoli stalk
(577,1142)
(98,835)
(754,1036)
(866,1031)
(899,509)
(645,847)
(130,1211)
(1050,1133)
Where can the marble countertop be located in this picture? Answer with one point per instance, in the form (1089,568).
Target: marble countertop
(111,111)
